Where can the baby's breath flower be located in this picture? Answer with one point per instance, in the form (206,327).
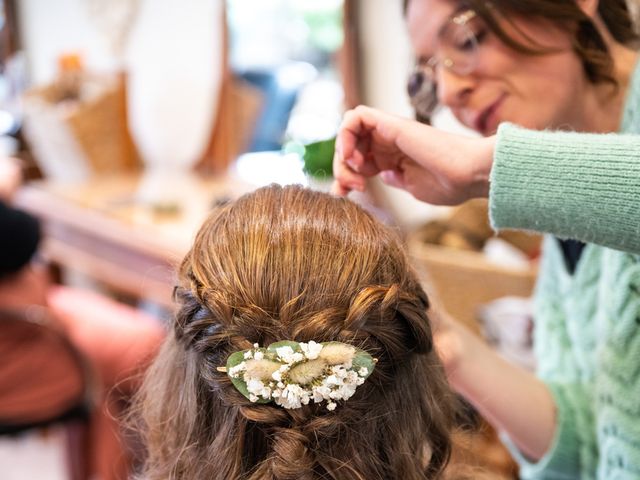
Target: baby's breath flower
(254,386)
(266,393)
(285,354)
(347,390)
(332,380)
(339,371)
(290,397)
(234,372)
(311,350)
(363,372)
(320,393)
(331,406)
(258,355)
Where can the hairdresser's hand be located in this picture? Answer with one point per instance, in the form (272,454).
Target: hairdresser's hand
(448,338)
(434,166)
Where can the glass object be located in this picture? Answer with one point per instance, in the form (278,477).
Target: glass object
(456,50)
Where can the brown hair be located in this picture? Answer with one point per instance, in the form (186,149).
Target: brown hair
(289,263)
(588,43)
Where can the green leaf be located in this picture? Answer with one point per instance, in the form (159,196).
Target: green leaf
(318,158)
(236,359)
(363,359)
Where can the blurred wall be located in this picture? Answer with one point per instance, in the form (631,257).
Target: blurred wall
(386,54)
(51,27)
(172,51)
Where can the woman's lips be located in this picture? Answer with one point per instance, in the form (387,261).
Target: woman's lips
(487,121)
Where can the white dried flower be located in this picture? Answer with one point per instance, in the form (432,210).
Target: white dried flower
(285,354)
(332,380)
(363,372)
(234,372)
(339,371)
(320,393)
(306,372)
(258,355)
(331,406)
(311,350)
(254,386)
(337,354)
(260,369)
(291,396)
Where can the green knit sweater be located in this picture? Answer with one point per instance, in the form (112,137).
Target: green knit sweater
(587,331)
(574,185)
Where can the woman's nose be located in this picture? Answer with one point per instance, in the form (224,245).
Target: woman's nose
(454,89)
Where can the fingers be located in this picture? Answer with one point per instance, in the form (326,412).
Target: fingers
(357,141)
(393,178)
(350,143)
(346,179)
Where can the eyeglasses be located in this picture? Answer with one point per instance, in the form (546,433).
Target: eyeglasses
(457,51)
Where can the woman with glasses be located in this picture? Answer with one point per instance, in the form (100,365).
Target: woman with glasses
(553,88)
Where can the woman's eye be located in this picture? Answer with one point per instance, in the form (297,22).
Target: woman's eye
(481,35)
(466,44)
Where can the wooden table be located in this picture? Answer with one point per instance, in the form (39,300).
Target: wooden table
(100,229)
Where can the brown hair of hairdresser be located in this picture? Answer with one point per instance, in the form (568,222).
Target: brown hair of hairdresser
(588,43)
(289,263)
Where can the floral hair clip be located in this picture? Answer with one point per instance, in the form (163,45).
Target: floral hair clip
(292,374)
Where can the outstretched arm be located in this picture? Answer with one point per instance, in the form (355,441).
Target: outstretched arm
(432,165)
(573,185)
(510,398)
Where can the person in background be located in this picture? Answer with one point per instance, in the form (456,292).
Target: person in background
(38,383)
(319,277)
(554,88)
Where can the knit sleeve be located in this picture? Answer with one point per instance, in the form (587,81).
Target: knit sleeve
(566,458)
(573,185)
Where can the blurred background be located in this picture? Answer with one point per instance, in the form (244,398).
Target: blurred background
(124,122)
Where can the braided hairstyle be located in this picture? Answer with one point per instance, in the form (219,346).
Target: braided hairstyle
(290,263)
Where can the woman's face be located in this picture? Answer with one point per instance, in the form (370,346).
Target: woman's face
(538,92)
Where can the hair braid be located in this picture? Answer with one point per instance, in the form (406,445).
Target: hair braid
(292,264)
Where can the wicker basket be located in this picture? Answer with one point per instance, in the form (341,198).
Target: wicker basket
(462,281)
(78,139)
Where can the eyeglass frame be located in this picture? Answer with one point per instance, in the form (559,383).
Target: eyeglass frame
(459,19)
